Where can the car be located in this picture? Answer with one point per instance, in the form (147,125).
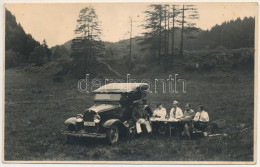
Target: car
(111,115)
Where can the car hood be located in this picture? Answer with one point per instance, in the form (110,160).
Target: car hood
(103,107)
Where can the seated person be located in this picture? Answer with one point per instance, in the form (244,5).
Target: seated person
(140,116)
(187,118)
(160,111)
(176,112)
(201,119)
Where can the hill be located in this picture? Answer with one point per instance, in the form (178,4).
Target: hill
(18,44)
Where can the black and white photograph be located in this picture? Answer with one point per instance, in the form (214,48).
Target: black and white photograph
(166,82)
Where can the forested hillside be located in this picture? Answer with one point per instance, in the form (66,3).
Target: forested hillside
(233,34)
(21,48)
(18,44)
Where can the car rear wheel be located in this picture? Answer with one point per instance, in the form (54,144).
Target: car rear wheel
(112,134)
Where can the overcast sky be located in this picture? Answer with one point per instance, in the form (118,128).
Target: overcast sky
(56,22)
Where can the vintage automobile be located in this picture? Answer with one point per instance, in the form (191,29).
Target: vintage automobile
(110,116)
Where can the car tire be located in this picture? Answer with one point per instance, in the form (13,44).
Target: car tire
(70,139)
(112,134)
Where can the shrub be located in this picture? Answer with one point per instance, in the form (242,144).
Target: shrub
(12,58)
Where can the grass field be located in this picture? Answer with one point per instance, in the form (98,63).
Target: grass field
(36,108)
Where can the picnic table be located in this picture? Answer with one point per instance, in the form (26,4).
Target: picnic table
(169,121)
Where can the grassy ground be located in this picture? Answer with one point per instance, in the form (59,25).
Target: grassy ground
(36,107)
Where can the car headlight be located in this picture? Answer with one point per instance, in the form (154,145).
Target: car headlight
(96,118)
(79,118)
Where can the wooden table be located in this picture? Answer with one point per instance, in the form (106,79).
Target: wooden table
(169,121)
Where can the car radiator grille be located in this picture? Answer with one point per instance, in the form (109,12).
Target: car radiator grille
(89,117)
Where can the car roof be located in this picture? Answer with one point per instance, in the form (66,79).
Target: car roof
(120,87)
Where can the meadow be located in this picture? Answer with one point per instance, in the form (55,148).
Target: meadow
(36,108)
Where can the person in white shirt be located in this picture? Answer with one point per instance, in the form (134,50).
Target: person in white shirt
(176,112)
(201,119)
(160,111)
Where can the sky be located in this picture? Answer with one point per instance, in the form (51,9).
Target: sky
(56,22)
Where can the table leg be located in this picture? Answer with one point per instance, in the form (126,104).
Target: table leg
(170,128)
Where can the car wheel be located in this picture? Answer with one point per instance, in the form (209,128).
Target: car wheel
(112,134)
(71,128)
(70,139)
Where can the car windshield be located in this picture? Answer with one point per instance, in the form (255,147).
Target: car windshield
(107,97)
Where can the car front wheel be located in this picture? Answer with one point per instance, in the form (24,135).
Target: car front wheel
(112,134)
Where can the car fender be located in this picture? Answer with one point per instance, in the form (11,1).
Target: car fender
(111,122)
(71,120)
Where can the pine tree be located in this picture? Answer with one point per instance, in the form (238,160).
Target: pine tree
(87,46)
(159,35)
(174,14)
(41,54)
(152,39)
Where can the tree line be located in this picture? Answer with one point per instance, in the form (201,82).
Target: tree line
(169,31)
(231,34)
(160,24)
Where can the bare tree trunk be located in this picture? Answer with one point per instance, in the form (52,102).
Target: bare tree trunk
(173,17)
(160,40)
(90,45)
(182,29)
(165,35)
(168,31)
(88,49)
(130,51)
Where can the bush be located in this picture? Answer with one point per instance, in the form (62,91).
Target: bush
(39,56)
(12,58)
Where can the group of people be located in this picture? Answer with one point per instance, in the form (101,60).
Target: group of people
(188,120)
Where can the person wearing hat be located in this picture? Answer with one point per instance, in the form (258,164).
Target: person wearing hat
(140,115)
(176,112)
(201,119)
